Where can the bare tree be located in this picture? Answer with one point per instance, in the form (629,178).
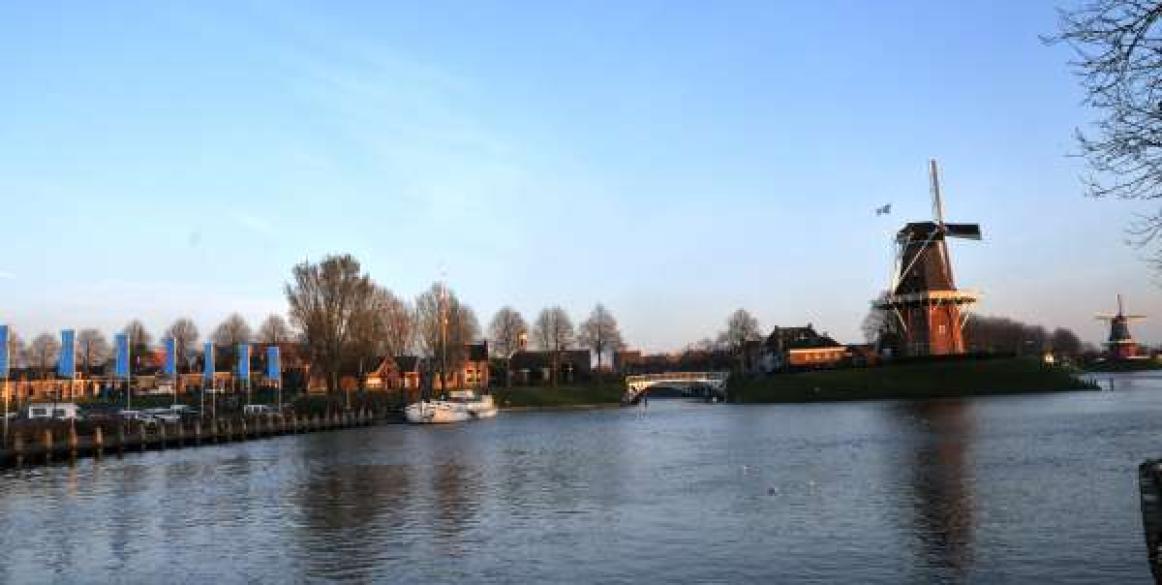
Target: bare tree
(227,335)
(397,322)
(600,333)
(274,330)
(327,302)
(1118,59)
(43,353)
(185,339)
(1065,342)
(741,327)
(17,351)
(506,330)
(139,337)
(554,334)
(447,346)
(369,341)
(92,348)
(882,327)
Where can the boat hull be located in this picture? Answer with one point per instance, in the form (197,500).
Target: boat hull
(436,412)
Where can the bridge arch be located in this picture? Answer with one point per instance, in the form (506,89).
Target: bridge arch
(638,386)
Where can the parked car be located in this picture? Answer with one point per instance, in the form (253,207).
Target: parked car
(164,415)
(138,416)
(49,410)
(257,410)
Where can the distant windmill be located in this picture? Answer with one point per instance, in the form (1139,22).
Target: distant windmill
(923,294)
(1121,345)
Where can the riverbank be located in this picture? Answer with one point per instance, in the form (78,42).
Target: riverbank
(910,381)
(568,396)
(1143,365)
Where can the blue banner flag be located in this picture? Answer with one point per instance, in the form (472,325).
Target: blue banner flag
(4,351)
(66,365)
(244,361)
(273,365)
(208,370)
(121,353)
(171,363)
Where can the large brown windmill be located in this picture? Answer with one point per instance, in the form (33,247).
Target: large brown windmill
(923,295)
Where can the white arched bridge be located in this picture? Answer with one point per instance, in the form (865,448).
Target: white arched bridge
(709,384)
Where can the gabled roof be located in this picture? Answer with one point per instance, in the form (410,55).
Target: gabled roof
(478,352)
(407,363)
(788,338)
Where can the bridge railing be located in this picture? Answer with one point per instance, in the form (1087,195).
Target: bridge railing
(679,376)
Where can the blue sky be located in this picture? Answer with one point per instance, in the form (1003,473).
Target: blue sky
(672,160)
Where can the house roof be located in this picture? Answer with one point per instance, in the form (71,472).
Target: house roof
(478,352)
(788,338)
(407,363)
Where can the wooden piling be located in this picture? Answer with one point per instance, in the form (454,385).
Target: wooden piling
(18,448)
(198,432)
(46,441)
(98,441)
(73,442)
(121,440)
(143,436)
(181,438)
(161,434)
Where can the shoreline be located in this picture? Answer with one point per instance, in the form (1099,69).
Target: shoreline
(913,381)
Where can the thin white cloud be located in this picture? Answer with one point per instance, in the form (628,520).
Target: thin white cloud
(7,275)
(254,224)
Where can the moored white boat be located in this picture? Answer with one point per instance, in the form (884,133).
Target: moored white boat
(478,406)
(436,412)
(461,405)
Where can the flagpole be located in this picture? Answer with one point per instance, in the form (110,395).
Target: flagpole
(7,388)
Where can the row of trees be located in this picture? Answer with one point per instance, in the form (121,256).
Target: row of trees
(983,334)
(1004,335)
(345,321)
(345,316)
(95,349)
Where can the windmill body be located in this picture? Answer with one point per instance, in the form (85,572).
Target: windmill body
(923,296)
(1121,345)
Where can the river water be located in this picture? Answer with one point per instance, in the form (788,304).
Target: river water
(1039,488)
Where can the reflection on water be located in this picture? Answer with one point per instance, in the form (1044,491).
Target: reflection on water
(939,435)
(878,492)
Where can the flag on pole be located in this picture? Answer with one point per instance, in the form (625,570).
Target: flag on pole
(171,369)
(244,361)
(121,353)
(66,365)
(4,351)
(273,367)
(208,369)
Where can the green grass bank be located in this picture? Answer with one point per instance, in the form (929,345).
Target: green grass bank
(909,381)
(575,395)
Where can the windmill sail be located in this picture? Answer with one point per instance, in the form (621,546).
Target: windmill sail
(969,231)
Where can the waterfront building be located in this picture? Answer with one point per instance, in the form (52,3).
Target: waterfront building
(791,348)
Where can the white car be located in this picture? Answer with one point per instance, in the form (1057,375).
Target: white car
(257,410)
(138,416)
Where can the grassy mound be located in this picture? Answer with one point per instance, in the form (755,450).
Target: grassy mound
(909,381)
